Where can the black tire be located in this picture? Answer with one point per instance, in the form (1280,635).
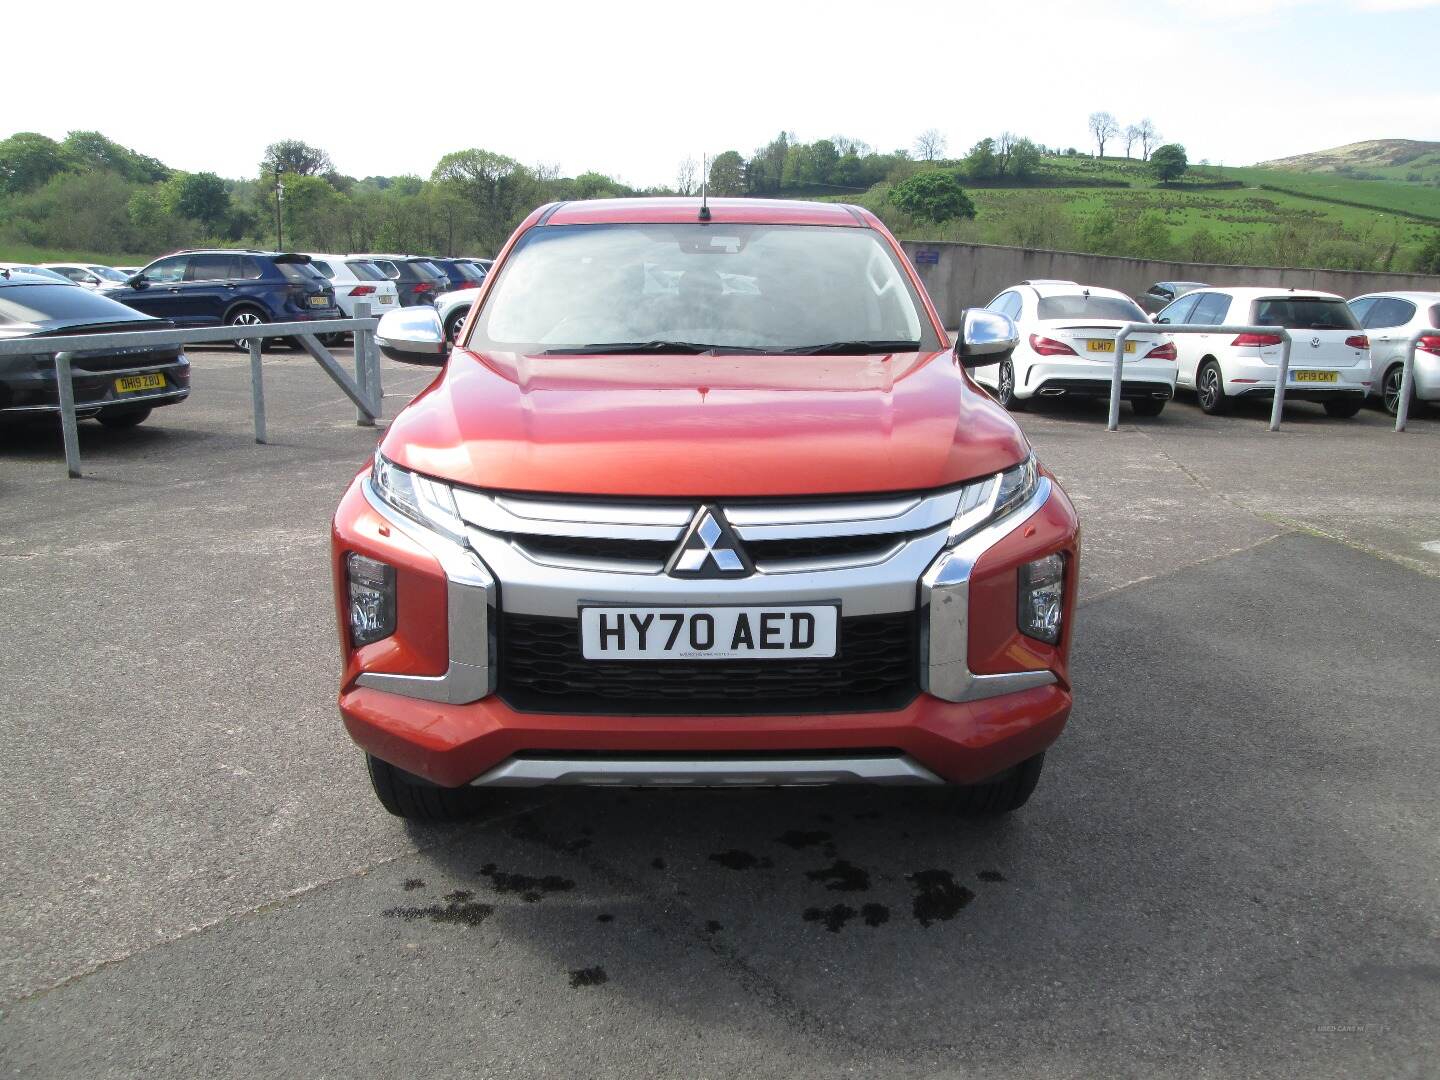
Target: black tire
(123,418)
(1344,408)
(1210,389)
(453,325)
(1148,406)
(1390,389)
(1005,392)
(246,316)
(331,341)
(406,795)
(1009,793)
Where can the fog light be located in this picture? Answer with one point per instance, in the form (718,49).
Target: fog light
(1042,593)
(372,599)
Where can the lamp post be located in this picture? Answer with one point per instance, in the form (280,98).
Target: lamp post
(279,226)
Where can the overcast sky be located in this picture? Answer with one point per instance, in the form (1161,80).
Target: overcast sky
(631,88)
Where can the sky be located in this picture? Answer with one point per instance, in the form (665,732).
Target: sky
(633,88)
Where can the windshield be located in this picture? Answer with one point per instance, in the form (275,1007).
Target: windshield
(1079,306)
(61,303)
(106,272)
(1305,313)
(762,287)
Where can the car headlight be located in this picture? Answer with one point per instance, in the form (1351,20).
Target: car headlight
(1042,598)
(991,499)
(427,501)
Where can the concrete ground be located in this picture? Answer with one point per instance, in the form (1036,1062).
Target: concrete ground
(1232,864)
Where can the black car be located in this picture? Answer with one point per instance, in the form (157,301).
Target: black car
(417,279)
(119,386)
(459,273)
(227,287)
(1163,292)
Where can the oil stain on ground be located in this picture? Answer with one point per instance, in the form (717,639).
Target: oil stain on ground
(843,876)
(875,914)
(741,860)
(591,976)
(991,875)
(834,918)
(413,883)
(456,912)
(937,897)
(800,839)
(530,888)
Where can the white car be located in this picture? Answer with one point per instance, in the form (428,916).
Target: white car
(1329,356)
(90,275)
(452,307)
(1067,348)
(38,271)
(355,280)
(1389,319)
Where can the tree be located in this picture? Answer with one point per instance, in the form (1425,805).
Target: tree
(935,195)
(1004,147)
(92,150)
(1131,134)
(930,145)
(1024,159)
(980,162)
(1149,137)
(727,174)
(28,159)
(685,182)
(294,156)
(1103,127)
(1169,162)
(201,196)
(1428,261)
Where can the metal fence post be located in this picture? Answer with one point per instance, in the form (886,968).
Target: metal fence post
(1407,382)
(1116,375)
(257,390)
(363,418)
(376,388)
(1281,378)
(67,414)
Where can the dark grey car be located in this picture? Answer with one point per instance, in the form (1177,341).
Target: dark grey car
(119,386)
(417,280)
(1163,292)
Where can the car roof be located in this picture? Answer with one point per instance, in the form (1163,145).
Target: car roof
(21,277)
(1073,288)
(1269,292)
(1413,296)
(660,211)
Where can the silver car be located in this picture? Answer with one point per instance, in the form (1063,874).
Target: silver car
(1389,320)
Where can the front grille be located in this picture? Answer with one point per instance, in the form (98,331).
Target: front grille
(542,670)
(560,548)
(822,547)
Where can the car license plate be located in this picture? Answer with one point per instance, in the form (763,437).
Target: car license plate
(711,633)
(129,383)
(319,301)
(387,299)
(1107,346)
(1315,376)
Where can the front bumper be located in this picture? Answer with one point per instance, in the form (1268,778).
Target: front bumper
(425,699)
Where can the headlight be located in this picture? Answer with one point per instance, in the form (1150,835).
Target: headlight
(427,501)
(989,500)
(1042,594)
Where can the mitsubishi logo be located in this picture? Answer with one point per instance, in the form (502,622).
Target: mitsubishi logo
(710,549)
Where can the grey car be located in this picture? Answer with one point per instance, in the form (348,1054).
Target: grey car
(1389,321)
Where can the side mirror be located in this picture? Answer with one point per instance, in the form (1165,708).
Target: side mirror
(986,337)
(137,282)
(413,335)
(1166,321)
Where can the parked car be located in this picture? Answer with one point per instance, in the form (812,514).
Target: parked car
(89,275)
(117,386)
(225,287)
(480,266)
(703,500)
(34,271)
(416,279)
(1329,357)
(452,307)
(459,274)
(1067,348)
(1163,292)
(355,280)
(1389,320)
(129,271)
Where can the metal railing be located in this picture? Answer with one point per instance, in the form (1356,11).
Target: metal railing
(364,389)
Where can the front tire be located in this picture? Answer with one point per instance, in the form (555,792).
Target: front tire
(1343,408)
(246,317)
(1005,392)
(408,796)
(1002,796)
(1390,388)
(1210,389)
(454,324)
(1148,406)
(123,418)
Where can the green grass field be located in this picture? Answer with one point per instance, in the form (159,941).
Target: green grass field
(25,253)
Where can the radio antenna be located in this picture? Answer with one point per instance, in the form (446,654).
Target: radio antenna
(704,187)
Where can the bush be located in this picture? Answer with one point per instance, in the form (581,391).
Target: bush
(934,195)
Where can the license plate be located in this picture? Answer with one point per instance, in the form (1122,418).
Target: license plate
(319,301)
(1107,346)
(387,299)
(711,633)
(1315,376)
(129,383)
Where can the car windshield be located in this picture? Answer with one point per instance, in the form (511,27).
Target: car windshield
(1084,306)
(742,286)
(106,272)
(1305,313)
(60,304)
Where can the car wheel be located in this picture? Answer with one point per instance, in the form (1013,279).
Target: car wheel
(1010,792)
(1005,392)
(454,324)
(331,341)
(122,418)
(408,796)
(1210,389)
(1148,406)
(1344,408)
(1390,390)
(246,317)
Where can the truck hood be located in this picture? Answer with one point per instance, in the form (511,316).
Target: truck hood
(704,426)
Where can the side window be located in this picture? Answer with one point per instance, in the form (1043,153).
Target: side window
(1389,312)
(1007,303)
(324,268)
(74,273)
(250,268)
(1179,311)
(1360,308)
(388,268)
(1210,309)
(1162,290)
(215,267)
(166,271)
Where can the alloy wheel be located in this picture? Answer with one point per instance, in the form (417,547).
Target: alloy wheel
(245,318)
(1209,391)
(1007,383)
(1391,392)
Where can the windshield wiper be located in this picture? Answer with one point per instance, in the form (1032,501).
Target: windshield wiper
(851,348)
(687,348)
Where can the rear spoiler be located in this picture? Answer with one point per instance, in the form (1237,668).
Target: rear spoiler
(291,257)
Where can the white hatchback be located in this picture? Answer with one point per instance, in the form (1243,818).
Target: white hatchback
(1067,348)
(1389,321)
(1329,356)
(355,280)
